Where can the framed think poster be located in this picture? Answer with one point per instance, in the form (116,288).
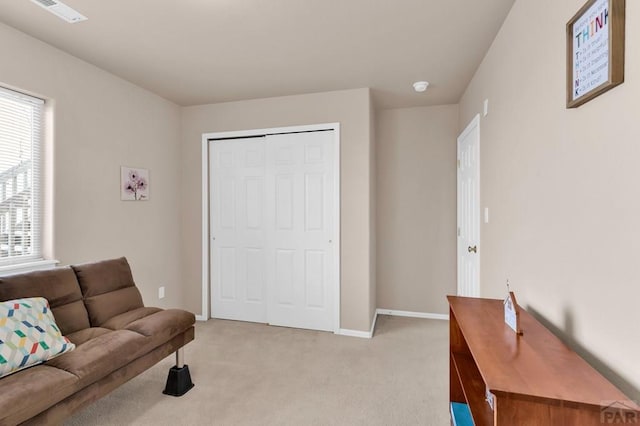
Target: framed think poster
(595,50)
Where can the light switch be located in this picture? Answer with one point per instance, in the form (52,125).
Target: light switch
(486,108)
(486,215)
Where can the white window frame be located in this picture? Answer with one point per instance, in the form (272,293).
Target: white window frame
(35,260)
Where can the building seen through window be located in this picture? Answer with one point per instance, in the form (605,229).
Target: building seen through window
(21,119)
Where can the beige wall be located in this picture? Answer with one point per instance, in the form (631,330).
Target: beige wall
(352,109)
(562,187)
(100,123)
(416,178)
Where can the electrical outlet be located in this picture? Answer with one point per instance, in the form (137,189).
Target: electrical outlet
(161,292)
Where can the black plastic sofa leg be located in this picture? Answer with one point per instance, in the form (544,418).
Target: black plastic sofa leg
(179,379)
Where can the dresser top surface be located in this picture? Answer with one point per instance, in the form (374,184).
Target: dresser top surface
(536,363)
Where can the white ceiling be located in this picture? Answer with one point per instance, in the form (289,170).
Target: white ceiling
(205,51)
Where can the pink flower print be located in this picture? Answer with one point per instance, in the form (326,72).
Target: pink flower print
(136,185)
(142,184)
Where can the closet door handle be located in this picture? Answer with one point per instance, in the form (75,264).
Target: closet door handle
(473,249)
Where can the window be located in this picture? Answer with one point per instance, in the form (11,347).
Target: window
(21,119)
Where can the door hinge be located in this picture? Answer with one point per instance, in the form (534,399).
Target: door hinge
(458,231)
(458,163)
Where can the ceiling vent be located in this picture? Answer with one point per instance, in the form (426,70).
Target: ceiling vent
(61,10)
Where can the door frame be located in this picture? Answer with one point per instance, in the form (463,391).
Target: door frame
(206,229)
(473,124)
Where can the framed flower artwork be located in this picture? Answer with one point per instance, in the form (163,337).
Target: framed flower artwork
(134,184)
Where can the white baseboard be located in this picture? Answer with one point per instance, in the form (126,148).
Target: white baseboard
(369,334)
(358,333)
(354,333)
(410,314)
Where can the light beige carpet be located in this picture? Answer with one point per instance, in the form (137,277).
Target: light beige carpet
(252,374)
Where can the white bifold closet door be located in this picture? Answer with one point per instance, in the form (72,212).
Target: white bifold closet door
(300,197)
(273,230)
(237,173)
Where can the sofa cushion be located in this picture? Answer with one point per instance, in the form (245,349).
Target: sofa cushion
(121,321)
(59,286)
(28,334)
(106,306)
(162,326)
(31,391)
(82,336)
(100,356)
(108,289)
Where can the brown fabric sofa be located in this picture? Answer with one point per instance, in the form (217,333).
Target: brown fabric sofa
(98,307)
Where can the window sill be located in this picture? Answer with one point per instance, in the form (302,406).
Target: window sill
(21,268)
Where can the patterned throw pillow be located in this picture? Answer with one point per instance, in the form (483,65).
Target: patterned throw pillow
(28,334)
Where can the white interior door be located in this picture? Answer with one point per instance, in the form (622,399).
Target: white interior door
(469,210)
(238,232)
(300,201)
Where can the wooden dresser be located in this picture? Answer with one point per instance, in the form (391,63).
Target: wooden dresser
(535,379)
